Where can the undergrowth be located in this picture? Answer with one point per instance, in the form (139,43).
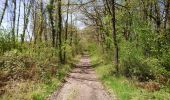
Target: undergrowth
(31,74)
(124,88)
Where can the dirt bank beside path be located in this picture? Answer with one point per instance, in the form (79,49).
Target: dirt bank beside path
(82,84)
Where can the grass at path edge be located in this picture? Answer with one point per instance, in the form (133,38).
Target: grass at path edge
(124,88)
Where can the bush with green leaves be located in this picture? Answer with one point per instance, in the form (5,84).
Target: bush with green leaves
(134,63)
(5,42)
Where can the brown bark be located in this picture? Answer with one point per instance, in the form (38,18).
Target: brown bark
(50,11)
(114,36)
(59,31)
(41,22)
(34,22)
(13,26)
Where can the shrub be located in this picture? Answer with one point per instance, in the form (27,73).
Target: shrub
(135,64)
(105,70)
(5,42)
(165,59)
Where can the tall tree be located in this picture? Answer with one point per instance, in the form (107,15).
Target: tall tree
(14,19)
(27,11)
(41,29)
(18,21)
(114,35)
(34,18)
(66,30)
(59,31)
(50,13)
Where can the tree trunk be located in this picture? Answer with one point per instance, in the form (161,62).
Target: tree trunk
(34,22)
(60,31)
(66,31)
(18,18)
(71,33)
(167,12)
(158,27)
(50,11)
(114,36)
(3,12)
(41,22)
(13,26)
(26,20)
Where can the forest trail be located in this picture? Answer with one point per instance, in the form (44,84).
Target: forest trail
(82,84)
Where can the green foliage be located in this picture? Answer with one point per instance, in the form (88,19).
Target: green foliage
(38,65)
(105,70)
(6,43)
(134,63)
(92,49)
(45,89)
(126,89)
(123,89)
(37,96)
(63,71)
(165,59)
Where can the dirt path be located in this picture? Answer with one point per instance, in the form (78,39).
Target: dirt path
(82,84)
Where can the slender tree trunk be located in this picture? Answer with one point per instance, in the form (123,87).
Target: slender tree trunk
(3,12)
(23,32)
(167,12)
(71,33)
(34,22)
(66,31)
(114,36)
(26,20)
(56,19)
(50,11)
(14,18)
(18,18)
(158,27)
(60,31)
(158,20)
(41,22)
(45,29)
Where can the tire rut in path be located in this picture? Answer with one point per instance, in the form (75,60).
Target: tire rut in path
(82,84)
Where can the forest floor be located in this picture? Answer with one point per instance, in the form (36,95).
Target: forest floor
(82,84)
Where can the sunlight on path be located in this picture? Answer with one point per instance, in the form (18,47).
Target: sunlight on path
(82,84)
